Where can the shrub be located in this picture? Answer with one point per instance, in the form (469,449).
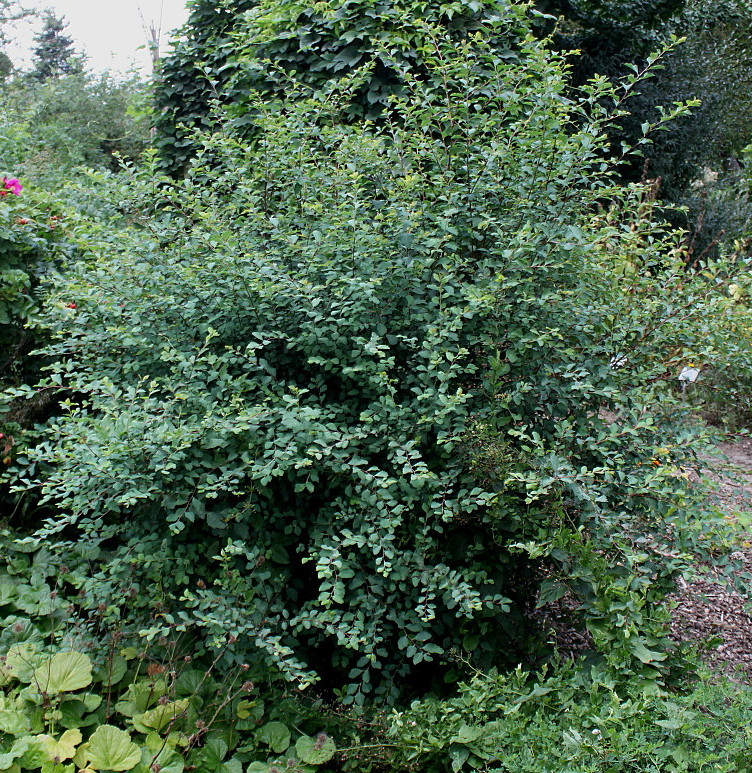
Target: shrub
(339,395)
(31,246)
(236,51)
(74,120)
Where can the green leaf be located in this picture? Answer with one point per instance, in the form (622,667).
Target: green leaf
(20,662)
(73,712)
(159,717)
(7,589)
(189,682)
(276,735)
(19,748)
(644,654)
(14,722)
(18,630)
(64,672)
(467,734)
(315,751)
(166,761)
(110,748)
(669,724)
(550,591)
(62,749)
(233,765)
(458,755)
(112,671)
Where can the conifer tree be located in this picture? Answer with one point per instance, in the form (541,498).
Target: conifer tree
(54,54)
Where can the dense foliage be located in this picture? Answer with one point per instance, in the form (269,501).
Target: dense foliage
(321,42)
(314,425)
(236,51)
(90,120)
(30,247)
(339,394)
(71,702)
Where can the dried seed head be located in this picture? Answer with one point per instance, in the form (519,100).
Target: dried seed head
(321,739)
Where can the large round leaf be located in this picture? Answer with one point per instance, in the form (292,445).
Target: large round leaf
(14,723)
(112,749)
(315,751)
(161,716)
(276,735)
(62,749)
(64,672)
(19,663)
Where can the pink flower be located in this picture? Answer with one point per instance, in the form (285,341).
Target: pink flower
(11,184)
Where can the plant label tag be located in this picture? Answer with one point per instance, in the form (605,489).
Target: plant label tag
(689,375)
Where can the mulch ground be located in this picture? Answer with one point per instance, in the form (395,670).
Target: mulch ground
(709,611)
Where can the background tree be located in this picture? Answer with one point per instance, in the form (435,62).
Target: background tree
(6,66)
(9,12)
(74,120)
(697,156)
(192,76)
(700,157)
(54,54)
(608,34)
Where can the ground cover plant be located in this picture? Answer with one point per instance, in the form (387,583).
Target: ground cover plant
(140,708)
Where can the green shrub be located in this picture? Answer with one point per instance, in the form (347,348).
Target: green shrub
(31,246)
(340,395)
(234,52)
(75,120)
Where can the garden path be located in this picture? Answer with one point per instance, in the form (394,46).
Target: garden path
(709,611)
